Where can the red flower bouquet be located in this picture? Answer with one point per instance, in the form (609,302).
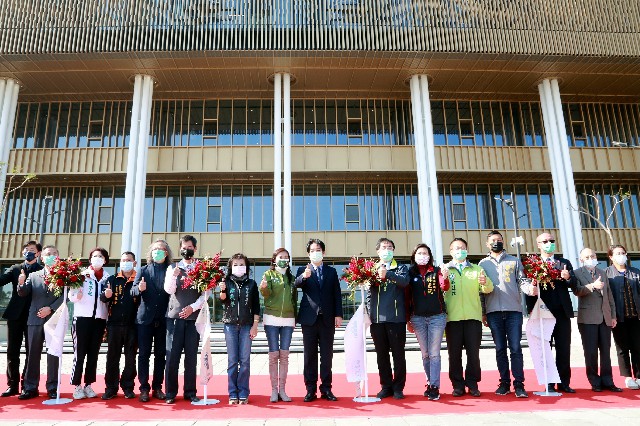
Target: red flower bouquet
(205,274)
(361,272)
(541,272)
(64,273)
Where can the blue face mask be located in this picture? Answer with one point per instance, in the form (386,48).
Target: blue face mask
(29,256)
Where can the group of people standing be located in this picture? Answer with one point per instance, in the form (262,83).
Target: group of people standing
(151,311)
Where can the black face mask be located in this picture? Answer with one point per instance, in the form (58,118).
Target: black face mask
(187,253)
(497,247)
(29,256)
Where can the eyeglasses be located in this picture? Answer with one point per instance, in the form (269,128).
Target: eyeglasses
(547,241)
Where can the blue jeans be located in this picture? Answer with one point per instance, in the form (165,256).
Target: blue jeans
(278,338)
(506,329)
(239,352)
(429,332)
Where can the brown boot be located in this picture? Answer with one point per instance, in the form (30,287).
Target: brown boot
(284,370)
(273,375)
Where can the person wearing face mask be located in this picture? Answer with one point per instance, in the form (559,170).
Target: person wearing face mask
(464,318)
(556,299)
(122,307)
(279,319)
(319,315)
(241,314)
(89,322)
(625,286)
(596,318)
(151,323)
(388,321)
(43,304)
(16,314)
(427,313)
(502,313)
(182,335)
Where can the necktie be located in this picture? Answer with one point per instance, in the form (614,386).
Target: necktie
(319,273)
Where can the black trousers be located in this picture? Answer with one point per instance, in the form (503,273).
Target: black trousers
(597,338)
(154,334)
(561,339)
(391,336)
(16,332)
(87,336)
(35,339)
(181,335)
(465,334)
(626,334)
(121,338)
(313,336)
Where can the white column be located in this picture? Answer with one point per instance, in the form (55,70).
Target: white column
(561,170)
(9,89)
(428,197)
(132,160)
(286,210)
(141,167)
(277,160)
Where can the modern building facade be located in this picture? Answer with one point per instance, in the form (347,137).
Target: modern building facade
(147,119)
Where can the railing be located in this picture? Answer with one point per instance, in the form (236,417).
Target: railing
(586,27)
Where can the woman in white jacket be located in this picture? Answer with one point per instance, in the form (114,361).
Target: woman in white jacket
(89,321)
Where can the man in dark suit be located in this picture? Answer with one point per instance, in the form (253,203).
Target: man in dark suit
(320,313)
(557,299)
(43,304)
(596,318)
(16,315)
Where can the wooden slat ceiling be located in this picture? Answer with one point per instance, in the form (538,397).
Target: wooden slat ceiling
(320,74)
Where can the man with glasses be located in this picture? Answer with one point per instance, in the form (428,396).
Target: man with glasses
(557,300)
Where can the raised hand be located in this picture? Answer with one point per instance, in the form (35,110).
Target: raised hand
(223,286)
(564,274)
(22,277)
(142,286)
(307,272)
(176,271)
(108,292)
(598,284)
(382,271)
(482,280)
(263,283)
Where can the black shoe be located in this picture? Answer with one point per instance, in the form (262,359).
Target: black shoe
(158,394)
(329,396)
(310,396)
(192,398)
(109,395)
(398,395)
(434,393)
(458,392)
(52,394)
(144,396)
(503,389)
(551,387)
(10,392)
(128,394)
(613,388)
(385,393)
(566,389)
(520,392)
(169,400)
(28,395)
(596,388)
(474,392)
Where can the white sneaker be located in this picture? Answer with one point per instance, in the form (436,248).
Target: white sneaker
(631,384)
(79,393)
(89,392)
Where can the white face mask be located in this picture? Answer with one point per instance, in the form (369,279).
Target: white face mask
(238,270)
(620,259)
(422,259)
(97,262)
(316,256)
(590,263)
(126,266)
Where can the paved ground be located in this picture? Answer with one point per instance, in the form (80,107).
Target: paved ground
(414,364)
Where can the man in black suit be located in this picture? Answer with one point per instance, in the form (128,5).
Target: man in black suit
(320,313)
(557,299)
(16,315)
(43,305)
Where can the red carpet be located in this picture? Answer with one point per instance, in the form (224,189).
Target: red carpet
(260,407)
